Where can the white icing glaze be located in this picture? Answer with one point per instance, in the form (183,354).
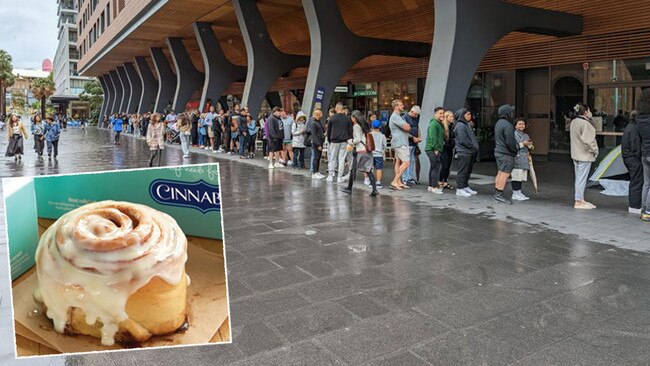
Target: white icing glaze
(97,255)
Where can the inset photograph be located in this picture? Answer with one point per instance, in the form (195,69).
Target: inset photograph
(117,260)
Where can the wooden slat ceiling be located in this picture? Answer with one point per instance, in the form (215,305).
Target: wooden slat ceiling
(606,34)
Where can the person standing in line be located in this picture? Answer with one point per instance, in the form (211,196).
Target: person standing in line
(298,132)
(156,138)
(287,150)
(38,130)
(225,130)
(643,124)
(52,133)
(399,131)
(505,150)
(522,165)
(584,150)
(466,151)
(264,119)
(210,117)
(378,154)
(253,129)
(447,156)
(413,119)
(361,157)
(632,152)
(185,131)
(276,135)
(203,134)
(339,131)
(317,136)
(117,129)
(145,124)
(216,131)
(16,132)
(242,131)
(433,148)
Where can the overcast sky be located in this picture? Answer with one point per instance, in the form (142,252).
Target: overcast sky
(28,31)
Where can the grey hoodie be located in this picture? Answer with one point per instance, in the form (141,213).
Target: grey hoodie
(466,142)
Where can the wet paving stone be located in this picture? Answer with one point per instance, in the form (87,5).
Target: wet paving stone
(320,278)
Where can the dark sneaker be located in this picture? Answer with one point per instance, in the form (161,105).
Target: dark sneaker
(645,216)
(499,197)
(374,193)
(347,191)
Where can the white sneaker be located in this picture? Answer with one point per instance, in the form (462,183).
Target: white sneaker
(523,197)
(316,176)
(220,151)
(366,181)
(330,178)
(271,166)
(518,196)
(278,165)
(290,162)
(320,176)
(344,178)
(635,211)
(471,191)
(434,190)
(463,193)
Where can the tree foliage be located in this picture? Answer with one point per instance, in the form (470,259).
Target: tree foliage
(94,95)
(18,100)
(7,78)
(43,88)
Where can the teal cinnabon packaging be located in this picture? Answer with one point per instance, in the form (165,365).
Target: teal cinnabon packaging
(190,194)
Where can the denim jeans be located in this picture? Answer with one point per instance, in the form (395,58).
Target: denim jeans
(314,166)
(581,169)
(201,139)
(646,184)
(299,157)
(434,169)
(185,143)
(409,174)
(242,144)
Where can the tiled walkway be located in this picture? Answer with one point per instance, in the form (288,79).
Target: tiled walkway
(320,278)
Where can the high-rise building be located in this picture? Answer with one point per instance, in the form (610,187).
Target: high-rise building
(66,77)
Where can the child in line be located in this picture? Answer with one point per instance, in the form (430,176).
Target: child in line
(378,154)
(520,173)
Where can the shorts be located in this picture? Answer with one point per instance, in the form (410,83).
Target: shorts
(519,175)
(402,153)
(378,162)
(275,145)
(505,163)
(210,131)
(287,142)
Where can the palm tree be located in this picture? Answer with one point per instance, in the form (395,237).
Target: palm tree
(42,89)
(7,78)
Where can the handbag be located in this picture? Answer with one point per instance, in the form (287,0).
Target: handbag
(370,143)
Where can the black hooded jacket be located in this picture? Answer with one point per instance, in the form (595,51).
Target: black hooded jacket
(643,124)
(275,128)
(466,142)
(631,144)
(504,133)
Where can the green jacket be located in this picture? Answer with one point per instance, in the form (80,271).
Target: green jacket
(435,136)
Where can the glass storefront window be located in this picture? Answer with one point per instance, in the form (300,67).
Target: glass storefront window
(620,71)
(405,90)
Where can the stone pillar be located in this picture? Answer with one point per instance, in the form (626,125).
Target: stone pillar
(126,96)
(166,80)
(335,49)
(219,72)
(135,84)
(188,78)
(265,62)
(117,86)
(104,80)
(147,102)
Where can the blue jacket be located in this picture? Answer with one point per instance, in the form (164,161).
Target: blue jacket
(52,132)
(117,125)
(414,123)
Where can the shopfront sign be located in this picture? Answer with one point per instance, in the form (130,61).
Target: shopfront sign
(341,89)
(365,93)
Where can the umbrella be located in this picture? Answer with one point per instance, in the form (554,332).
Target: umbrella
(533,175)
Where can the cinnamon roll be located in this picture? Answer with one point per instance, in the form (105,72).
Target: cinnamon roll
(114,271)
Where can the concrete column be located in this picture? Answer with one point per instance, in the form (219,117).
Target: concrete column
(126,96)
(265,62)
(103,80)
(149,85)
(274,99)
(219,72)
(166,80)
(463,34)
(135,84)
(223,100)
(117,85)
(188,78)
(335,49)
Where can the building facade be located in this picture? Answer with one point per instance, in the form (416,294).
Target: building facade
(69,83)
(22,88)
(541,55)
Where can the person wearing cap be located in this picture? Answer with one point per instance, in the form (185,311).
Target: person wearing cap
(413,119)
(378,154)
(505,151)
